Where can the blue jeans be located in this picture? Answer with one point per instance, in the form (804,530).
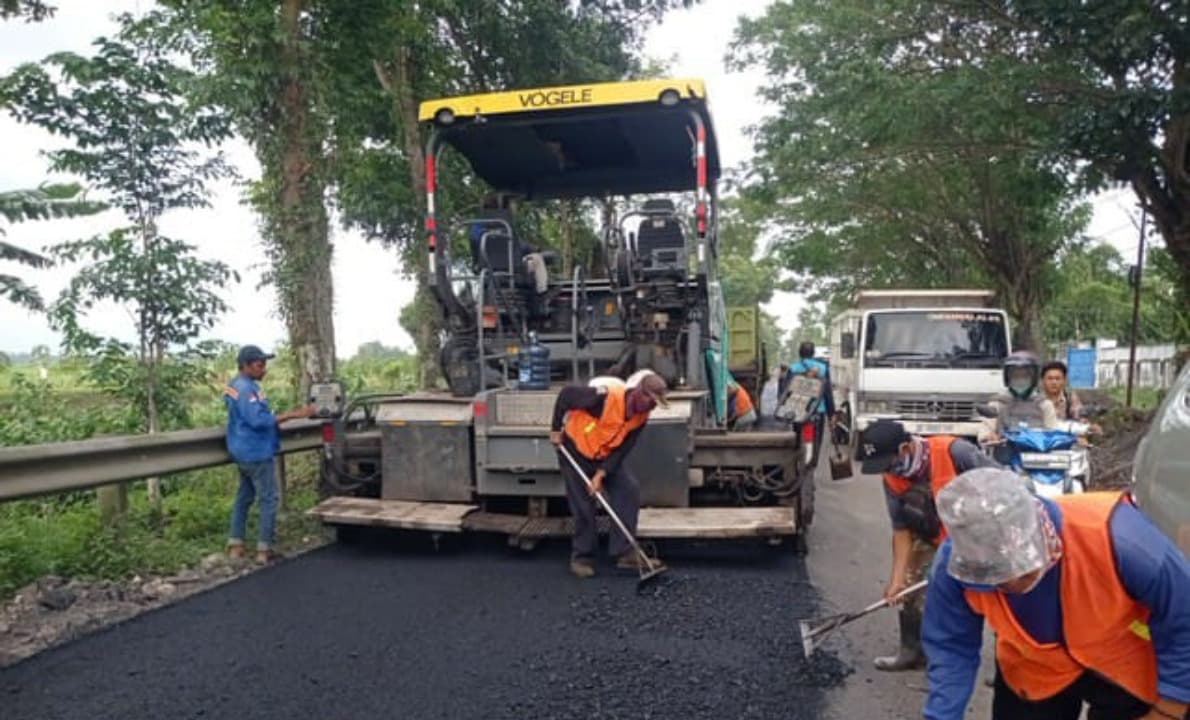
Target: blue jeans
(257,482)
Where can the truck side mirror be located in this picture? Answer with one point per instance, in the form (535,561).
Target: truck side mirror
(847,345)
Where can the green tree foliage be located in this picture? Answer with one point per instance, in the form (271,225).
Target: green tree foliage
(897,158)
(1093,298)
(407,52)
(326,91)
(267,66)
(135,136)
(29,10)
(1112,80)
(48,202)
(748,274)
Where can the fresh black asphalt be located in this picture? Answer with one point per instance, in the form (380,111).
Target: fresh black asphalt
(471,630)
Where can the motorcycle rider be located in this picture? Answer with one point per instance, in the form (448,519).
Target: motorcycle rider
(1023,404)
(810,366)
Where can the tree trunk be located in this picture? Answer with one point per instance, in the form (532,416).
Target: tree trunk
(301,228)
(568,218)
(401,84)
(1166,196)
(153,484)
(151,356)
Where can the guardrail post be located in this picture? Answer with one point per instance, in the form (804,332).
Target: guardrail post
(113,502)
(282,484)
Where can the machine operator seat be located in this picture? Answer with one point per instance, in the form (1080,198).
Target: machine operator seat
(490,244)
(660,242)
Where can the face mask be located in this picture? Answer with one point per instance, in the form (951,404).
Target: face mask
(638,402)
(914,466)
(1033,585)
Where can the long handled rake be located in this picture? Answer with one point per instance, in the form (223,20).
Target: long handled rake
(649,568)
(815,630)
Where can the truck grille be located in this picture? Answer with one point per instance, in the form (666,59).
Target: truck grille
(936,409)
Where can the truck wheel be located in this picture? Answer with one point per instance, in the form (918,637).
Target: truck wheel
(349,535)
(801,547)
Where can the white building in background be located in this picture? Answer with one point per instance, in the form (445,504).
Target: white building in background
(1155,366)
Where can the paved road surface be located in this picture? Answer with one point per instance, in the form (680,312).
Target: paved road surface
(478,631)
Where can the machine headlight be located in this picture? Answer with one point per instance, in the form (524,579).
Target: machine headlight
(880,407)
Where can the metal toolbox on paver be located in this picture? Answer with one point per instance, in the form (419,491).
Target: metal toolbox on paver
(426,450)
(514,456)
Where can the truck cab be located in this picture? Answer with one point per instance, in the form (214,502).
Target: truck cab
(924,357)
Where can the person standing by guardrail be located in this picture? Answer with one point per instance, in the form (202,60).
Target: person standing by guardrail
(253,441)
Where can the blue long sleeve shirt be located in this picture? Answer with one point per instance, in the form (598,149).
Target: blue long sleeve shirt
(252,434)
(1152,569)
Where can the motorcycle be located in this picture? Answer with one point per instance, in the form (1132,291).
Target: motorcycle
(799,408)
(1054,459)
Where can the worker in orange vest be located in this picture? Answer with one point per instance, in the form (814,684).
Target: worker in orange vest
(1090,604)
(741,412)
(914,469)
(599,424)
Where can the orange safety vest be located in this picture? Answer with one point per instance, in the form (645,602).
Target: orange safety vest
(742,400)
(596,437)
(1108,636)
(942,471)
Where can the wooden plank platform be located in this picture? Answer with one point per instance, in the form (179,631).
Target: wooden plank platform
(712,522)
(716,522)
(430,516)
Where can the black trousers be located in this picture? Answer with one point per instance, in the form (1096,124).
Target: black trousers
(621,490)
(1106,701)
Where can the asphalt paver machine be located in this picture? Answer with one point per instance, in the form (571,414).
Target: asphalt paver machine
(477,457)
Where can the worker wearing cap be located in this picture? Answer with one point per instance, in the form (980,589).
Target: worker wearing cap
(914,470)
(599,425)
(252,441)
(1089,601)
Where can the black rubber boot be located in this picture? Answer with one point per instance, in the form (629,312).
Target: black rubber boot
(910,655)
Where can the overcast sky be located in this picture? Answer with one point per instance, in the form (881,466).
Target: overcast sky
(369,288)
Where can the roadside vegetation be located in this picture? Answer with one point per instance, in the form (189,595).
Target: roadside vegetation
(65,535)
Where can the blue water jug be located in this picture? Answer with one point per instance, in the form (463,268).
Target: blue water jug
(534,365)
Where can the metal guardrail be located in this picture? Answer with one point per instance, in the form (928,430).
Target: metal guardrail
(31,470)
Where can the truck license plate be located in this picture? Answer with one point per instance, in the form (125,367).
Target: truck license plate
(932,428)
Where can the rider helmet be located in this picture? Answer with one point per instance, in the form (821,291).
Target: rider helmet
(1022,372)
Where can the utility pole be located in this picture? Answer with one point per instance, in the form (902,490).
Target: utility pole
(1135,277)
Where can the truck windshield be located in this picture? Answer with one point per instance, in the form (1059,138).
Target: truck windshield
(935,339)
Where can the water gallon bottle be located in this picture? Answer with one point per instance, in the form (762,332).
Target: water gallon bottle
(534,365)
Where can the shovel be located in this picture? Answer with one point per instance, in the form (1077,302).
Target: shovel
(649,568)
(814,630)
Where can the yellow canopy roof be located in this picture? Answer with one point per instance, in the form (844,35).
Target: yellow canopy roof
(581,140)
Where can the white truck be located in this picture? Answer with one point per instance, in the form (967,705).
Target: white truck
(924,357)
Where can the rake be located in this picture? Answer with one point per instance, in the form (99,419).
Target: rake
(814,630)
(650,568)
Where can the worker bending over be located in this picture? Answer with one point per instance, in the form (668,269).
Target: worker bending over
(741,411)
(914,469)
(1090,604)
(599,424)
